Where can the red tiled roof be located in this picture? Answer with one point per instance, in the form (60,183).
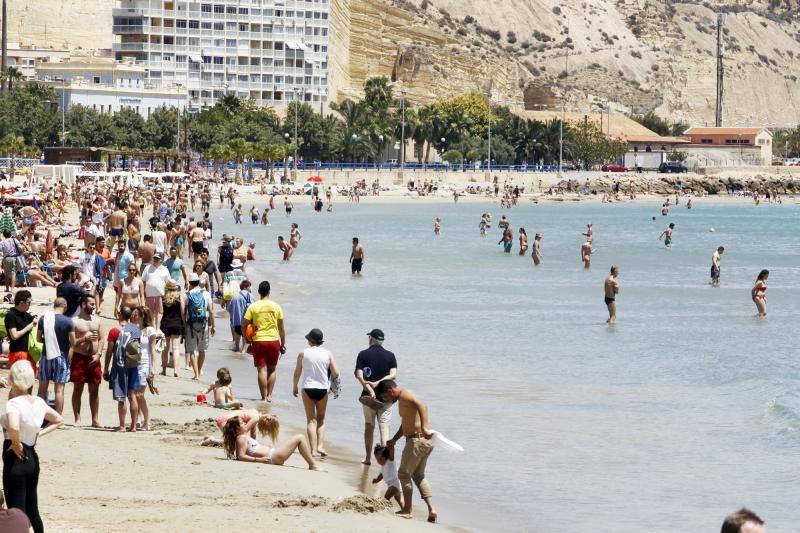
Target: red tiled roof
(723,131)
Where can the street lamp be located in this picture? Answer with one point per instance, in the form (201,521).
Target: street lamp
(489,108)
(353,154)
(380,146)
(295,90)
(63,109)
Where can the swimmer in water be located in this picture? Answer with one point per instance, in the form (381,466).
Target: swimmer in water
(611,288)
(667,234)
(664,209)
(759,293)
(437,226)
(586,254)
(589,233)
(689,203)
(536,254)
(286,248)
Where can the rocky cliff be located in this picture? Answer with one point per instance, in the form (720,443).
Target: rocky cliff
(631,55)
(81,25)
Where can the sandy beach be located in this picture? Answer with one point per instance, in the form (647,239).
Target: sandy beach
(162,480)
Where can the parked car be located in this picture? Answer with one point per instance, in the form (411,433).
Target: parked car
(613,168)
(669,167)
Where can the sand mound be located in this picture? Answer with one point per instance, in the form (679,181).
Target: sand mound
(200,426)
(362,504)
(309,501)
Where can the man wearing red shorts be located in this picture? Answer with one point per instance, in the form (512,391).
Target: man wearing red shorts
(268,343)
(19,324)
(85,365)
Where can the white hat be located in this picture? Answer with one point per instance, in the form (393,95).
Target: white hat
(236,263)
(21,375)
(193,277)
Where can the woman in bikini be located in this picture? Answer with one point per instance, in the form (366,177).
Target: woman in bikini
(240,445)
(131,294)
(523,241)
(759,293)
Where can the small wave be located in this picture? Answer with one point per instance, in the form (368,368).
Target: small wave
(784,409)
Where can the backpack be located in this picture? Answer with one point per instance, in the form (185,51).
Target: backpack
(128,349)
(198,310)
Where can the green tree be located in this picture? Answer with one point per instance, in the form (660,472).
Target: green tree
(12,145)
(240,150)
(161,128)
(453,157)
(10,76)
(129,129)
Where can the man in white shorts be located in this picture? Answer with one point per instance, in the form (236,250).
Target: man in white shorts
(373,365)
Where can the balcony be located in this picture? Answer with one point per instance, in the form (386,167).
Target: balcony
(119,29)
(130,47)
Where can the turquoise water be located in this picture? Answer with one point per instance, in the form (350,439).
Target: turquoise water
(683,412)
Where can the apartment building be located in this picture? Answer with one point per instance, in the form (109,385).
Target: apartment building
(108,86)
(272,51)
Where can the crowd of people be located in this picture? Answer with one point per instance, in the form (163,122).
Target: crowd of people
(155,247)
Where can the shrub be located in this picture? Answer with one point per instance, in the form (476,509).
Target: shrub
(511,37)
(636,53)
(462,32)
(469,19)
(556,11)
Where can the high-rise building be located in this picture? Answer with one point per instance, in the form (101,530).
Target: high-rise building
(272,51)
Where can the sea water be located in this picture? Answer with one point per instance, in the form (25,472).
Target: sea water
(684,411)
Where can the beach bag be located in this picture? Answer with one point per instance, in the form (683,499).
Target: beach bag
(198,310)
(229,289)
(158,342)
(133,353)
(34,347)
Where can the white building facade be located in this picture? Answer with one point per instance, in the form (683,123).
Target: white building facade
(108,87)
(271,51)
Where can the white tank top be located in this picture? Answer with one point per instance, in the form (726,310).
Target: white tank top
(316,362)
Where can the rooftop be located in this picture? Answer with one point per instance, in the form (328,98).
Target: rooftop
(723,131)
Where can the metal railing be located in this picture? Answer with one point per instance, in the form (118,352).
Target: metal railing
(19,162)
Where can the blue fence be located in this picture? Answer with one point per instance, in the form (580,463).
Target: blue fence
(409,167)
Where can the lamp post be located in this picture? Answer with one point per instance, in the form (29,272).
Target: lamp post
(402,131)
(380,146)
(296,104)
(63,109)
(353,152)
(489,109)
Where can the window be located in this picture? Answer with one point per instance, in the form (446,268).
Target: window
(180,23)
(207,60)
(218,60)
(219,26)
(205,8)
(230,43)
(97,79)
(230,10)
(219,43)
(205,25)
(194,24)
(220,10)
(231,26)
(243,11)
(705,141)
(243,27)
(180,58)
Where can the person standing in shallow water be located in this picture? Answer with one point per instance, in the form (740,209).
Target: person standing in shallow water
(611,288)
(586,254)
(536,254)
(715,266)
(759,293)
(667,234)
(356,257)
(523,241)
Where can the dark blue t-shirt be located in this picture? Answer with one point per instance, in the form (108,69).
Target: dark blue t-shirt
(376,362)
(63,326)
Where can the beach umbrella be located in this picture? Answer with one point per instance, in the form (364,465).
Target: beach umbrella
(7,222)
(315,179)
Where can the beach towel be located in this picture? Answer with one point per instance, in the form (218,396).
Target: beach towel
(52,349)
(443,442)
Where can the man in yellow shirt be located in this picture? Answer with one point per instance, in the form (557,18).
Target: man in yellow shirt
(268,343)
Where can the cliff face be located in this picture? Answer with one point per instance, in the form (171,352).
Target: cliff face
(634,55)
(61,24)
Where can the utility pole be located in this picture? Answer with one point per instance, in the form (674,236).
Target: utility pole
(402,131)
(563,117)
(4,58)
(720,68)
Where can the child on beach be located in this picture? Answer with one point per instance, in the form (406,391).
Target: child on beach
(384,455)
(223,392)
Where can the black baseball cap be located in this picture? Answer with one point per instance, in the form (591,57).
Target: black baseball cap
(315,336)
(376,334)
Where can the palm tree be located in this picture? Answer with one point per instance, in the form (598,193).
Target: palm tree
(378,94)
(240,150)
(216,153)
(11,75)
(12,145)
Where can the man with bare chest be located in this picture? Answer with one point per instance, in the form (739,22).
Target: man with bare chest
(414,427)
(85,365)
(117,222)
